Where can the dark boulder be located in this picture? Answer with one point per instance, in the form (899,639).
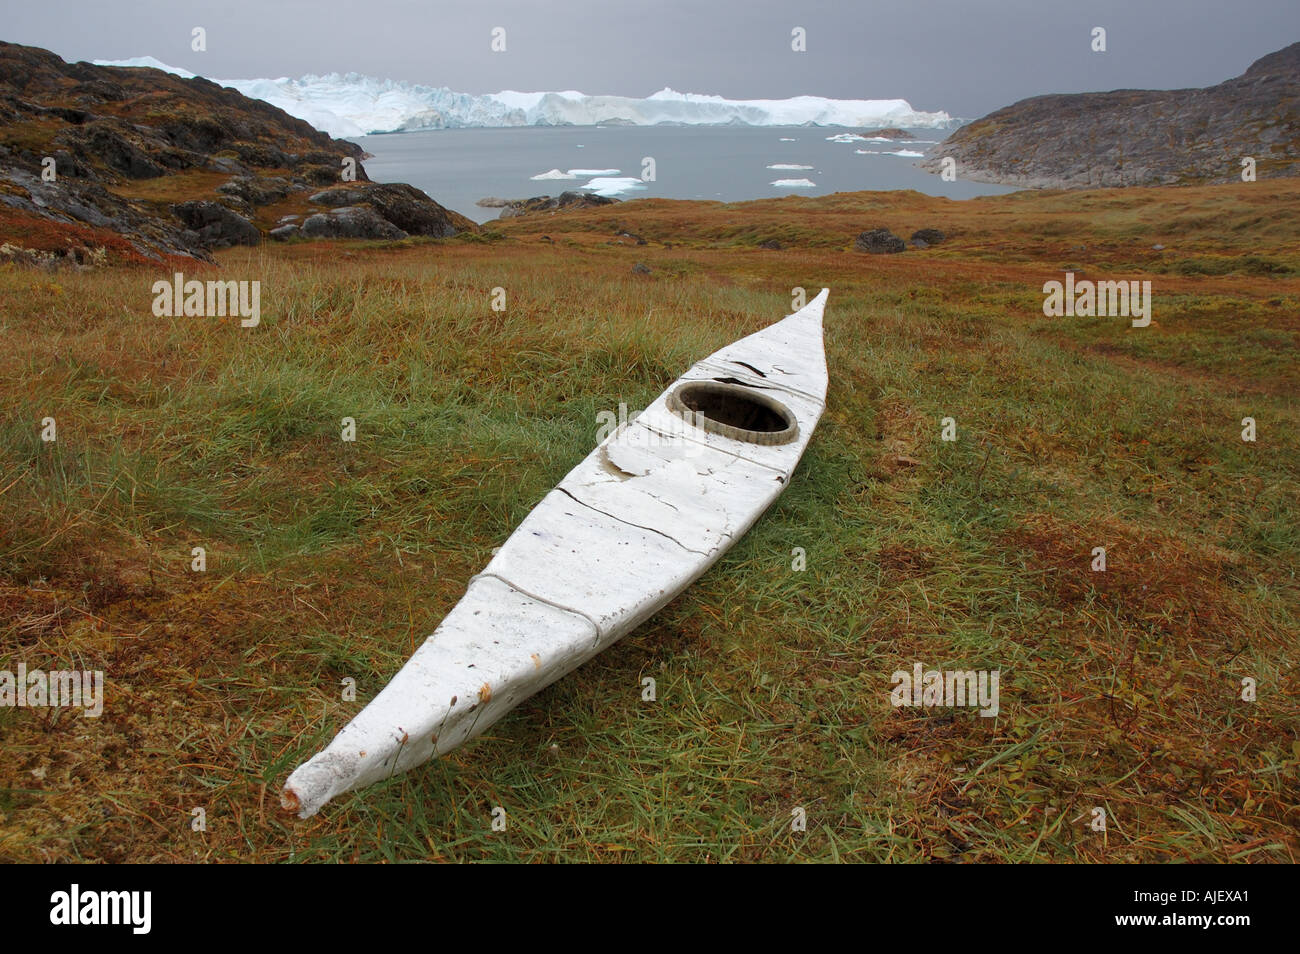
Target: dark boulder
(412,211)
(216,225)
(403,205)
(879,242)
(353,221)
(928,236)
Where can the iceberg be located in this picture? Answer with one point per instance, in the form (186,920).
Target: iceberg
(611,187)
(788,166)
(795,184)
(151,63)
(351,104)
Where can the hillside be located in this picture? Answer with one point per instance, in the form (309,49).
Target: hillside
(149,165)
(1138,137)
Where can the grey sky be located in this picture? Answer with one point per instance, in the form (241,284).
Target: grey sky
(966,56)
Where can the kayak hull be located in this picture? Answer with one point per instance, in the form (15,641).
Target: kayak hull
(642,517)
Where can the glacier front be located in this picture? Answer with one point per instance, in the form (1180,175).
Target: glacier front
(350,104)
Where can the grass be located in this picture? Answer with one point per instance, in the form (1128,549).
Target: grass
(330,560)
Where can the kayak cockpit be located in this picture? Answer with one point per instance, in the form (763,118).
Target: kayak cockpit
(734,410)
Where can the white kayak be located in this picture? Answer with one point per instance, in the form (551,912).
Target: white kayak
(632,526)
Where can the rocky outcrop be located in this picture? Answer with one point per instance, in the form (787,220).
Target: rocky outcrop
(564,202)
(54,217)
(406,207)
(351,221)
(215,225)
(106,128)
(1138,137)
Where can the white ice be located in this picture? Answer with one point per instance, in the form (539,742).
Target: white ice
(352,104)
(610,187)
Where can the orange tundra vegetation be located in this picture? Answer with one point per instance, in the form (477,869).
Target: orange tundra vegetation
(328,560)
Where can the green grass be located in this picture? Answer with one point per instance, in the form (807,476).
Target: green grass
(329,560)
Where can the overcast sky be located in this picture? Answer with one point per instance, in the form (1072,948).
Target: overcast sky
(964,56)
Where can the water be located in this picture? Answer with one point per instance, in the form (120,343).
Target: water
(457,167)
